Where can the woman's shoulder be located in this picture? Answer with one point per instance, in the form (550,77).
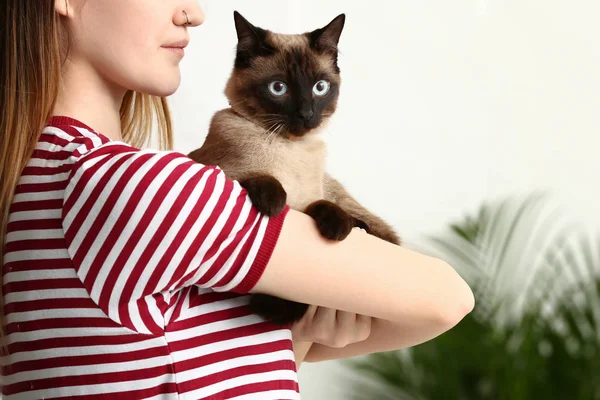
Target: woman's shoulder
(71,129)
(86,142)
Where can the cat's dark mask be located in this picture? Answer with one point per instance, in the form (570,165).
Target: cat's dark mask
(287,83)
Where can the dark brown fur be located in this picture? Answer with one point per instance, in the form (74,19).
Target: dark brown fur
(271,144)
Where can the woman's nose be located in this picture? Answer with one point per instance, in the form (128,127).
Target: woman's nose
(191,14)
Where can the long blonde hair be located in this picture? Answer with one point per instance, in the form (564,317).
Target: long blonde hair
(33,47)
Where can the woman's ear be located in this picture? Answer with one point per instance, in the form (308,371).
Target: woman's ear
(62,7)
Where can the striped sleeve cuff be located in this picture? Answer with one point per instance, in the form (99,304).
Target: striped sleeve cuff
(264,254)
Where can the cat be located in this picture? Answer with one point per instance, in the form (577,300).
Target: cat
(282,91)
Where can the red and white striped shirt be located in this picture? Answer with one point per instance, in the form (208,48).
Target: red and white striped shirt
(126,275)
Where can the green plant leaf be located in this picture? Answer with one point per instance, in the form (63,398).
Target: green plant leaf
(535,332)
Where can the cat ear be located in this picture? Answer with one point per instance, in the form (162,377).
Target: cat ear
(250,40)
(327,38)
(245,30)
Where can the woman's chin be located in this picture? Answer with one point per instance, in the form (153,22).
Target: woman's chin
(164,88)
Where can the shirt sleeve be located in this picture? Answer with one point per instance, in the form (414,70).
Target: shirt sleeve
(142,222)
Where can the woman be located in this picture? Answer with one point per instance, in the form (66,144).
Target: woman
(126,272)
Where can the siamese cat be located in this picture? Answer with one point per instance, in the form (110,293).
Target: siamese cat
(282,91)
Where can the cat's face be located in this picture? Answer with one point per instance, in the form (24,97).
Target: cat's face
(289,84)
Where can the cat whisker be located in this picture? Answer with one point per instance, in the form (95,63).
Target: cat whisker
(239,102)
(279,129)
(272,133)
(271,120)
(271,130)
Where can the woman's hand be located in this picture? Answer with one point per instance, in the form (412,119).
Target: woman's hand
(331,328)
(328,327)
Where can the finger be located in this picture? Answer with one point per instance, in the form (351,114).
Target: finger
(306,319)
(363,319)
(355,327)
(325,316)
(302,330)
(341,325)
(310,313)
(346,320)
(363,325)
(324,326)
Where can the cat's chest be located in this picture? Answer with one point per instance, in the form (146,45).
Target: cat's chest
(300,167)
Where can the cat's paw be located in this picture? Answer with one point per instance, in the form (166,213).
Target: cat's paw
(267,194)
(358,223)
(277,311)
(382,232)
(333,222)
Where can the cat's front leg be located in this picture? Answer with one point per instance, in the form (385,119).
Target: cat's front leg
(269,197)
(278,311)
(361,217)
(376,228)
(382,231)
(266,192)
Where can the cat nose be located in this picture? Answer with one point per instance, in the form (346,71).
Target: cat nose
(305,114)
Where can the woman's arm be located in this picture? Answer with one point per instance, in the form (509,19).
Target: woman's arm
(422,295)
(301,349)
(385,336)
(329,328)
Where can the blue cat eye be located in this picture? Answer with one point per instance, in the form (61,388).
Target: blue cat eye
(321,88)
(278,88)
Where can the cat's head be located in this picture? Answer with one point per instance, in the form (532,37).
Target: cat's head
(289,84)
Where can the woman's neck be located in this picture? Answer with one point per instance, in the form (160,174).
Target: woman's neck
(85,96)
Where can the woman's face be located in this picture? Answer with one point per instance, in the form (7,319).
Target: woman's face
(130,44)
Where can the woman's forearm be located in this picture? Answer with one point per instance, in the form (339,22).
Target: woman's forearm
(365,275)
(385,336)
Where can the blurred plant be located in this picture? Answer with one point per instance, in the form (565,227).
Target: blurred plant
(535,330)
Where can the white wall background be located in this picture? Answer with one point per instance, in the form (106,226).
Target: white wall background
(443,105)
